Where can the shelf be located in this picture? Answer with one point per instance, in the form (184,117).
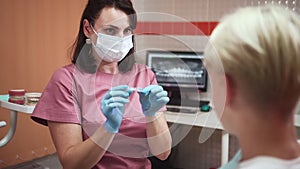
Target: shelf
(16,107)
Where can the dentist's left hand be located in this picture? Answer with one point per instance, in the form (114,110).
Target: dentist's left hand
(113,107)
(153,98)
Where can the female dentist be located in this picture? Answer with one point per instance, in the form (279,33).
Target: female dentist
(104,110)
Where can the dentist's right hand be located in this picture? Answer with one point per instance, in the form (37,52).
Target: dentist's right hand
(113,107)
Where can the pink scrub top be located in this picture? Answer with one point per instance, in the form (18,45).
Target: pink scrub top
(73,96)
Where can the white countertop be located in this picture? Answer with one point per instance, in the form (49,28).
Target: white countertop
(201,119)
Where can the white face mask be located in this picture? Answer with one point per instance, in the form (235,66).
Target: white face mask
(112,48)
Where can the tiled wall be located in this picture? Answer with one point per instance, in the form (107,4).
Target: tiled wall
(169,15)
(199,11)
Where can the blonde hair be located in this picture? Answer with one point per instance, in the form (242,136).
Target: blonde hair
(259,47)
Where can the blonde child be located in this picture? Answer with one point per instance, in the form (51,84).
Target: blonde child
(258,49)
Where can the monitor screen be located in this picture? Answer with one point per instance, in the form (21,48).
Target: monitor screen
(178,69)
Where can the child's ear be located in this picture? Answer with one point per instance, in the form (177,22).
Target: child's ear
(230,90)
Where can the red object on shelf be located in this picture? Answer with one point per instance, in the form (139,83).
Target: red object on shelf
(22,102)
(16,92)
(17,96)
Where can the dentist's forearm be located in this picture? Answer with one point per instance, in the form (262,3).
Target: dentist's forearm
(158,135)
(75,153)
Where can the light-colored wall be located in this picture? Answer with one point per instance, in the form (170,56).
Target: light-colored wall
(36,34)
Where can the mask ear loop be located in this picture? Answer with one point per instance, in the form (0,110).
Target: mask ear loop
(94,30)
(88,40)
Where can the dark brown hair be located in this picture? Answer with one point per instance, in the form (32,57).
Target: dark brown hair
(80,52)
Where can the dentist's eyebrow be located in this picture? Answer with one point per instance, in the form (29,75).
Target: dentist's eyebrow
(115,27)
(111,26)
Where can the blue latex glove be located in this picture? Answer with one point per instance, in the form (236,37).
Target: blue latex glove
(153,98)
(113,107)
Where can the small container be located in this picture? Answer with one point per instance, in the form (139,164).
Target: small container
(32,98)
(17,96)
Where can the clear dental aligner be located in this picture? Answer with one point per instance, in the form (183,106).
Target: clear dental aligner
(138,89)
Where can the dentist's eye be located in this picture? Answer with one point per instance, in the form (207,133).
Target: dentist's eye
(128,31)
(110,31)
